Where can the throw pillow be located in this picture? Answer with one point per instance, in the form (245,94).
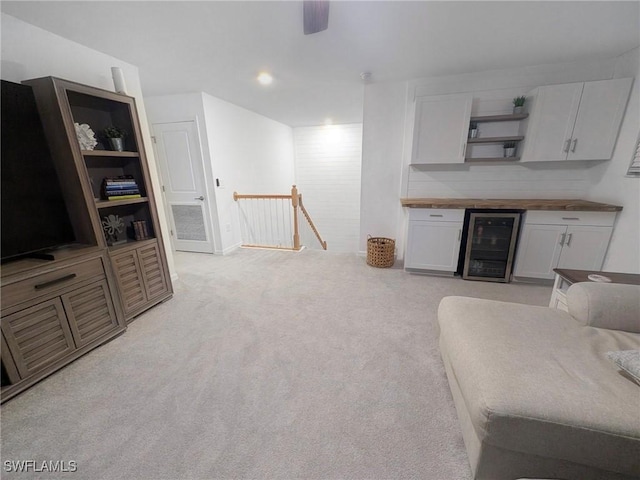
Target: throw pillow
(628,361)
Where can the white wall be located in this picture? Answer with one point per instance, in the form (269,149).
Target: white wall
(327,163)
(250,154)
(388,129)
(246,152)
(611,185)
(382,154)
(30,52)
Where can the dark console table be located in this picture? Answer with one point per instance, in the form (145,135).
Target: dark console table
(566,277)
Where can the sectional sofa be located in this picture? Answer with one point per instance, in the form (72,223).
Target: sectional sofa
(536,394)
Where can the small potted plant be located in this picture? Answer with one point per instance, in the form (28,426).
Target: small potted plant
(518,104)
(509,149)
(473,130)
(116,137)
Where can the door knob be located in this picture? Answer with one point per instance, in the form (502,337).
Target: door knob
(199,198)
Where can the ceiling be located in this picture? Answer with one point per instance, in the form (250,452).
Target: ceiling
(219,47)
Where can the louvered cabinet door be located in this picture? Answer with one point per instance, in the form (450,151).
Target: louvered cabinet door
(7,361)
(155,281)
(90,312)
(129,276)
(38,336)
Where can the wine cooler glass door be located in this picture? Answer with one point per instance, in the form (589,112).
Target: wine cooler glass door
(490,245)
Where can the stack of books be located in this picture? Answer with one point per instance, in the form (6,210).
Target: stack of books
(120,188)
(140,231)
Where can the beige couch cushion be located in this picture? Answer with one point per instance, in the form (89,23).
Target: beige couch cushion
(608,305)
(536,381)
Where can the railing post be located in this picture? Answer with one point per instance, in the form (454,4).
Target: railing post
(294,204)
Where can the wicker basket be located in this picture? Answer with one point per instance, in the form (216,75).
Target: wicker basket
(380,252)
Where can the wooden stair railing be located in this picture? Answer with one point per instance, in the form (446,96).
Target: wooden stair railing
(280,223)
(311,224)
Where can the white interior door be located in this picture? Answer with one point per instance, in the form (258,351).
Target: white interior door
(182,170)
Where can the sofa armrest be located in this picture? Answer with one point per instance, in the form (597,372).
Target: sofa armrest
(605,305)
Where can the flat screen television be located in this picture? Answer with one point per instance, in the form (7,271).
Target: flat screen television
(34,216)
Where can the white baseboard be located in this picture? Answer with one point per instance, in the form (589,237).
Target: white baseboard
(228,249)
(302,247)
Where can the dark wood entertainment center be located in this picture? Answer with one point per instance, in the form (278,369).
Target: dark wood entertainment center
(54,311)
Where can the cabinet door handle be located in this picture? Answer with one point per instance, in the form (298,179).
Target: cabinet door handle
(569,237)
(434,215)
(562,237)
(566,146)
(459,234)
(575,142)
(464,149)
(40,286)
(571,218)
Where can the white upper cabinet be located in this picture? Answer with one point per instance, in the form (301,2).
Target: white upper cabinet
(602,107)
(441,128)
(575,121)
(552,115)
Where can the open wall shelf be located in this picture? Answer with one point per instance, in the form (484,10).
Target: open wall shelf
(500,118)
(476,140)
(492,159)
(488,149)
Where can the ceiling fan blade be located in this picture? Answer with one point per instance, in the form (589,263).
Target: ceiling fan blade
(316,16)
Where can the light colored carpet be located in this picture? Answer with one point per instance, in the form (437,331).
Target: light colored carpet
(264,365)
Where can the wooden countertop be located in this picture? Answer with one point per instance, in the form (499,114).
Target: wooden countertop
(524,204)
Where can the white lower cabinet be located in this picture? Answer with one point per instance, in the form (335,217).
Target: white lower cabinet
(433,240)
(576,240)
(585,247)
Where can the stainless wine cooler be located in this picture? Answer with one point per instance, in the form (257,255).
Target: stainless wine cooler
(490,246)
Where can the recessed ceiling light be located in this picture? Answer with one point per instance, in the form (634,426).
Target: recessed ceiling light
(264,78)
